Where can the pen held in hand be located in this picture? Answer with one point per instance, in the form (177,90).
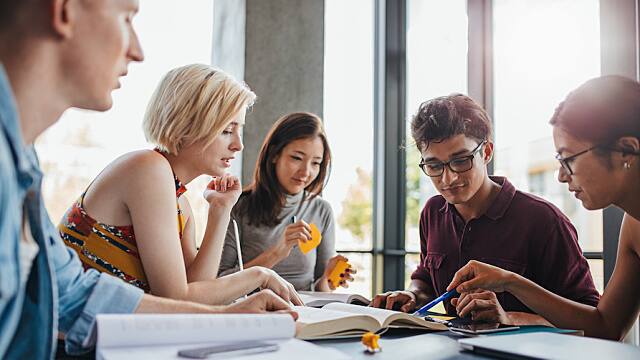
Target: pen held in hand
(446,296)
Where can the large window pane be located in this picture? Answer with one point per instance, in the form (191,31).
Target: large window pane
(82,143)
(363,280)
(348,115)
(597,272)
(542,50)
(411,262)
(436,66)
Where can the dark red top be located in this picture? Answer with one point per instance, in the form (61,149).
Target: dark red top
(519,232)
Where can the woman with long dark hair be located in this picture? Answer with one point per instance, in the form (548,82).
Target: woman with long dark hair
(274,213)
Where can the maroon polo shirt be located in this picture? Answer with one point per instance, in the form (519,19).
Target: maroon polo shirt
(519,232)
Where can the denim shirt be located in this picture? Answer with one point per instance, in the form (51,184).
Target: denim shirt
(58,295)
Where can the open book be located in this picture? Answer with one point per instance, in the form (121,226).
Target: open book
(336,320)
(320,299)
(161,336)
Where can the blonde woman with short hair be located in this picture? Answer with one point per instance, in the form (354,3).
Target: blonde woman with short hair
(132,221)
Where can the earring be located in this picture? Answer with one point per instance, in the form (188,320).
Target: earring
(627,166)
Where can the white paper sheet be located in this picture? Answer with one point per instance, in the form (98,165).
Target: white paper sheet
(289,349)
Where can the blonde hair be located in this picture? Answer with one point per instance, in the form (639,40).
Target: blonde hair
(193,103)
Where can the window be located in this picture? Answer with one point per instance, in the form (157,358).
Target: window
(82,143)
(535,67)
(348,114)
(436,65)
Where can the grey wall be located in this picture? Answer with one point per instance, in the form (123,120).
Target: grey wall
(283,60)
(229,19)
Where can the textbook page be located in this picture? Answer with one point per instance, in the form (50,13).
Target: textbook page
(319,299)
(120,330)
(386,317)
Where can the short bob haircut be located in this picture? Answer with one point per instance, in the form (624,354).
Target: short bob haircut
(192,104)
(265,195)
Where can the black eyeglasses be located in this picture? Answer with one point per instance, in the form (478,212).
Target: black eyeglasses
(564,162)
(457,165)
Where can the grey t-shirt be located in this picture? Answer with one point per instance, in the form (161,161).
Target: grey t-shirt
(299,269)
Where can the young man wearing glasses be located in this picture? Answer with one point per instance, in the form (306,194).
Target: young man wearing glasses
(482,217)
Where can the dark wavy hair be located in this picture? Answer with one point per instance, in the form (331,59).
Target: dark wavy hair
(443,117)
(601,111)
(265,197)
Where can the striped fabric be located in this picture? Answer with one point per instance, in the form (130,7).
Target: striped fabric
(108,248)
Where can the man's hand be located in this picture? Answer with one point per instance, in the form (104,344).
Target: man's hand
(482,305)
(283,288)
(262,302)
(404,300)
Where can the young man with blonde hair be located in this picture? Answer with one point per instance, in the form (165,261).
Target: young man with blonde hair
(57,54)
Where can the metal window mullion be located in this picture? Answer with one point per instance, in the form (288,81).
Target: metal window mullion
(389,158)
(480,56)
(378,143)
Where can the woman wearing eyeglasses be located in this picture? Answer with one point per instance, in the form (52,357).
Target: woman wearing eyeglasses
(596,131)
(482,217)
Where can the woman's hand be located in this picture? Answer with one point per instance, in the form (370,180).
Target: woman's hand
(299,231)
(283,288)
(344,277)
(482,305)
(223,192)
(476,275)
(261,302)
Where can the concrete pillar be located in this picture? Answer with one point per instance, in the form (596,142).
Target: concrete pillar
(281,53)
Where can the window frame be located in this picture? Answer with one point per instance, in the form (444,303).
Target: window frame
(389,178)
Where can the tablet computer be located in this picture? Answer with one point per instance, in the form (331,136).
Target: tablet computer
(480,328)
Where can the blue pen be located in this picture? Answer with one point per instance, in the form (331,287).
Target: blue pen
(448,295)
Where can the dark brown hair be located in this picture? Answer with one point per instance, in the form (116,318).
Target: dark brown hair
(447,116)
(11,11)
(265,197)
(601,111)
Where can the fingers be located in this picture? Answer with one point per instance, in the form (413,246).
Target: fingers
(270,301)
(298,231)
(465,298)
(379,299)
(476,305)
(465,273)
(346,276)
(409,306)
(294,296)
(396,299)
(224,183)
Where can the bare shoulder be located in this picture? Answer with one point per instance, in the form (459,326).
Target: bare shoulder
(142,162)
(139,172)
(630,234)
(133,176)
